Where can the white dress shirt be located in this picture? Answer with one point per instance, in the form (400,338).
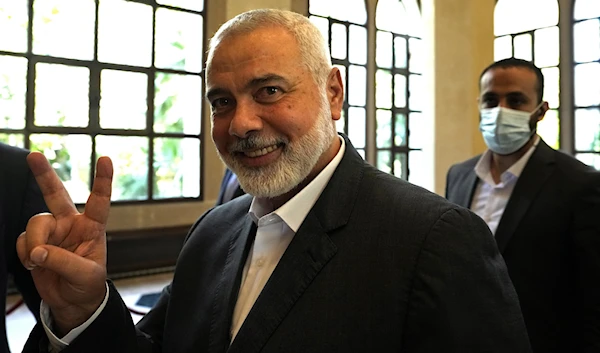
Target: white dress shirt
(490,199)
(275,231)
(276,228)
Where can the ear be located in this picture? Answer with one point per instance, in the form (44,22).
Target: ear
(335,93)
(543,109)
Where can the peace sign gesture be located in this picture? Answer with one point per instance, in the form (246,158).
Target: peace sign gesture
(66,250)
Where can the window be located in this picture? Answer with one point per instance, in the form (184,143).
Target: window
(398,85)
(586,55)
(521,35)
(338,21)
(395,70)
(81,79)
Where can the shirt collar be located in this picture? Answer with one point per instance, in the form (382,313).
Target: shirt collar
(295,210)
(482,168)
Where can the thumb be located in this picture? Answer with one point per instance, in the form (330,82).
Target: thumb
(76,270)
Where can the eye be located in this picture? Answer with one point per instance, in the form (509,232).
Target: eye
(268,94)
(220,104)
(489,102)
(516,102)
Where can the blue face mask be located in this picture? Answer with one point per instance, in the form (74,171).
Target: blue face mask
(505,130)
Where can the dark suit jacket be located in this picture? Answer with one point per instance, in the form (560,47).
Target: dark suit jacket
(238,192)
(20,198)
(549,236)
(378,265)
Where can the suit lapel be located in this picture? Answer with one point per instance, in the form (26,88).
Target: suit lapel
(468,183)
(229,285)
(536,172)
(309,251)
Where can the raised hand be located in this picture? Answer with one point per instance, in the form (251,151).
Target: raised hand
(66,250)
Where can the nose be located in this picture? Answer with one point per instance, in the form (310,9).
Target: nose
(245,120)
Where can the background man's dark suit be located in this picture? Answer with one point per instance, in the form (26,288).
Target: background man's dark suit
(549,236)
(225,182)
(20,199)
(378,265)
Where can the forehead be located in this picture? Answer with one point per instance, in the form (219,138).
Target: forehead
(266,49)
(510,79)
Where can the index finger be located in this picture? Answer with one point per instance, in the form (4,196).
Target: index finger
(56,196)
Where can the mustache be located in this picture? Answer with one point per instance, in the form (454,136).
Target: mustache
(254,142)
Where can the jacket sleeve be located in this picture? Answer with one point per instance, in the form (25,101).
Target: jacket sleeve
(462,299)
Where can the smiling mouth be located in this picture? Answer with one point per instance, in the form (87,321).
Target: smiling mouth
(261,151)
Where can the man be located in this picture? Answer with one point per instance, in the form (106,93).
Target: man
(20,198)
(324,254)
(543,207)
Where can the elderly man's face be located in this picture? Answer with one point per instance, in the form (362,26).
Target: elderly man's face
(272,124)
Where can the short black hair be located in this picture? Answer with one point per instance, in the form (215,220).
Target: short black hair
(514,62)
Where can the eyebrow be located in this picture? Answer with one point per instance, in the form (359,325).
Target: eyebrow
(257,81)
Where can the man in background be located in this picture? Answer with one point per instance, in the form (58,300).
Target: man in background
(20,199)
(543,207)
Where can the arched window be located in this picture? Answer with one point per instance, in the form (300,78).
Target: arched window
(396,70)
(586,58)
(84,78)
(531,33)
(398,87)
(343,23)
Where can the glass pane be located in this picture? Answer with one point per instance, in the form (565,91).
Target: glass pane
(194,5)
(586,9)
(417,127)
(384,50)
(13,85)
(523,48)
(586,41)
(415,47)
(125,33)
(415,23)
(361,152)
(502,48)
(64,28)
(70,156)
(400,165)
(177,103)
(14,19)
(129,155)
(338,41)
(384,161)
(358,45)
(587,130)
(340,124)
(390,15)
(417,173)
(124,99)
(400,53)
(176,167)
(551,86)
(546,47)
(549,129)
(587,85)
(384,129)
(400,130)
(345,10)
(383,89)
(67,106)
(357,85)
(357,123)
(591,159)
(415,87)
(323,26)
(399,91)
(342,69)
(514,16)
(13,139)
(178,40)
